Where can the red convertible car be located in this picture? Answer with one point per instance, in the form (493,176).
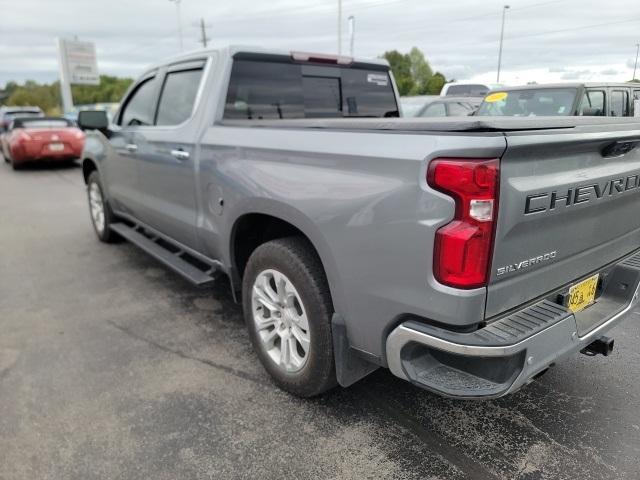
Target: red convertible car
(45,138)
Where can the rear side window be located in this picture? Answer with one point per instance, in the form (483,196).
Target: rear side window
(141,105)
(619,103)
(592,103)
(178,96)
(273,90)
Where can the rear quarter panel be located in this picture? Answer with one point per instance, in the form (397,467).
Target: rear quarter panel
(361,198)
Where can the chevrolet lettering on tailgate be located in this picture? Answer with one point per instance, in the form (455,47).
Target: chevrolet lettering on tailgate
(542,202)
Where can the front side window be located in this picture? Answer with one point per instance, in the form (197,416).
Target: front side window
(178,96)
(619,103)
(140,107)
(592,103)
(280,90)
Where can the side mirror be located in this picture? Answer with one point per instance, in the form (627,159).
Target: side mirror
(93,120)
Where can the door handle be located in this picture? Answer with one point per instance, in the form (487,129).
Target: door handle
(180,154)
(132,147)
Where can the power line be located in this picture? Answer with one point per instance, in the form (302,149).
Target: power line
(549,32)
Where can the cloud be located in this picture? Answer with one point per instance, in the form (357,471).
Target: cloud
(543,40)
(576,74)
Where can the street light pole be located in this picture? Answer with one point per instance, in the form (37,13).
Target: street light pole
(635,66)
(339,27)
(352,33)
(504,11)
(177,2)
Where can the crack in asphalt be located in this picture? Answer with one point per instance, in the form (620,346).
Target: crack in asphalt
(469,467)
(233,371)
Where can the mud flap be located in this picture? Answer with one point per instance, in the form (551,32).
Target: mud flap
(350,366)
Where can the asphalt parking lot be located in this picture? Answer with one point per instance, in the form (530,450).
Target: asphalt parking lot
(113,367)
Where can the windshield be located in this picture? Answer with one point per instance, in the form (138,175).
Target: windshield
(529,102)
(20,114)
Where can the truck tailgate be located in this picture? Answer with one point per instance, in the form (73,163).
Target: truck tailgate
(569,205)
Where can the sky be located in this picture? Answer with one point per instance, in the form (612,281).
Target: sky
(544,41)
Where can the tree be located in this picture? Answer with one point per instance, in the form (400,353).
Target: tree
(47,96)
(435,83)
(401,68)
(420,71)
(413,73)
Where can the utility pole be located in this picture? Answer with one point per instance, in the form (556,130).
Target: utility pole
(339,27)
(352,33)
(635,66)
(504,11)
(203,33)
(177,2)
(65,81)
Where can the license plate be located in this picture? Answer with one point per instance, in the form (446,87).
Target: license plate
(583,294)
(56,147)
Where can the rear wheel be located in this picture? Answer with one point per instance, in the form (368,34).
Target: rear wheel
(288,308)
(101,214)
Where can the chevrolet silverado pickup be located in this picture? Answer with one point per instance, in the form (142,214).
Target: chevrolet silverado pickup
(466,255)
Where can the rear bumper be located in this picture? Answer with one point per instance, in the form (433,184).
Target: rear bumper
(509,352)
(38,152)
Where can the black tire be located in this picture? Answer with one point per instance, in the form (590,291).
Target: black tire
(298,261)
(105,235)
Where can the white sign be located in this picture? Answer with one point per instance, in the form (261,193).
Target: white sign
(79,62)
(636,107)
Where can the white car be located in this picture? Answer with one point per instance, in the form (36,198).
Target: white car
(467,89)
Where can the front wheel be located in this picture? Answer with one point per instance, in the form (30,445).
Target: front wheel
(288,308)
(101,214)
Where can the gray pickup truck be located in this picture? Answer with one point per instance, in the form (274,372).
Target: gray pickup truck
(466,255)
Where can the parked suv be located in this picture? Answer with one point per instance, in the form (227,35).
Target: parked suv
(563,99)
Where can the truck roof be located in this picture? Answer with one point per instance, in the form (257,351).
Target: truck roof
(231,50)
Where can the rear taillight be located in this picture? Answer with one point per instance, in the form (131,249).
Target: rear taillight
(463,247)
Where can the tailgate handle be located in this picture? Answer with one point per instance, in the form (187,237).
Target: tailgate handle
(619,148)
